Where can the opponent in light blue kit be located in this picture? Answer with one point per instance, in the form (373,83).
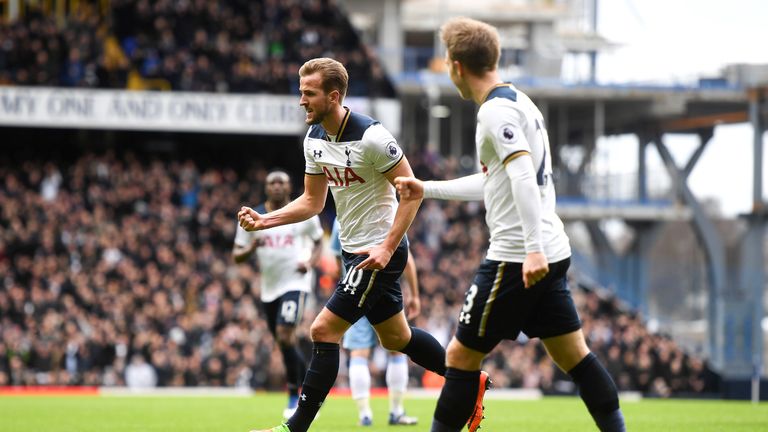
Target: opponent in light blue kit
(361,338)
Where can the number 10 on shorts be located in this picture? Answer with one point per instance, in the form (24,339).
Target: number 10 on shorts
(352,279)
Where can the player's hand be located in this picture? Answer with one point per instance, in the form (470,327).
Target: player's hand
(412,308)
(378,258)
(535,268)
(409,187)
(249,219)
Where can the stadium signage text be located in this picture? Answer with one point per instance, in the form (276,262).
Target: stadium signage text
(171,111)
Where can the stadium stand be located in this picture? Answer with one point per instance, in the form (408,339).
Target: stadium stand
(110,257)
(107,257)
(225,46)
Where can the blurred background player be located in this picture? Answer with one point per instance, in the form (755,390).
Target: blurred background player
(361,338)
(286,256)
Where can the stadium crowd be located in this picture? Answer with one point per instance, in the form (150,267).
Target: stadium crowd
(116,269)
(226,46)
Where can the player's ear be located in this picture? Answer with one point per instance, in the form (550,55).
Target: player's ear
(335,96)
(459,68)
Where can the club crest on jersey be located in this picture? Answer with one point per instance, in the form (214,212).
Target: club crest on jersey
(347,152)
(393,151)
(508,134)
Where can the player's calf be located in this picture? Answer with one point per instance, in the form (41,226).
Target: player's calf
(461,401)
(484,383)
(599,393)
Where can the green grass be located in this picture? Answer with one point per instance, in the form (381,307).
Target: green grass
(233,414)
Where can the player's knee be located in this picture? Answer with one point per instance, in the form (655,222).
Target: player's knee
(285,336)
(323,331)
(318,332)
(361,353)
(394,341)
(460,357)
(286,341)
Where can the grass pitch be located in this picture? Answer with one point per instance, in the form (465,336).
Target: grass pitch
(240,414)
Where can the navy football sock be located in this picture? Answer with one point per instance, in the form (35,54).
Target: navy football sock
(457,400)
(294,365)
(320,377)
(599,393)
(439,427)
(425,351)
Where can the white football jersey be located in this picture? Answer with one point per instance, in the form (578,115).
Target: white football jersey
(354,162)
(508,122)
(279,253)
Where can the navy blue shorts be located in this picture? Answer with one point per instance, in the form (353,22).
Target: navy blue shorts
(286,310)
(374,294)
(498,306)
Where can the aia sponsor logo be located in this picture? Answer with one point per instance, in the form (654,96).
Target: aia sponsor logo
(277,241)
(342,178)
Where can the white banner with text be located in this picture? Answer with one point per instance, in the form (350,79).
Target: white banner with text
(171,111)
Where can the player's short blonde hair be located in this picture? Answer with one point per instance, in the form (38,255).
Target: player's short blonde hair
(333,73)
(472,43)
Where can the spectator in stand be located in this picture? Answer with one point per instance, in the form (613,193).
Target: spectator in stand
(140,374)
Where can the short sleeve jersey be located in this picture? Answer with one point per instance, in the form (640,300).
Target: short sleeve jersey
(354,161)
(279,253)
(509,123)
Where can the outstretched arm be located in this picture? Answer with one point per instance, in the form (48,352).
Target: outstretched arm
(467,188)
(310,203)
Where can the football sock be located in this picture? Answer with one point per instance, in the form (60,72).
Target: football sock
(599,393)
(457,400)
(425,351)
(397,382)
(439,427)
(293,360)
(360,384)
(320,377)
(293,400)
